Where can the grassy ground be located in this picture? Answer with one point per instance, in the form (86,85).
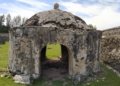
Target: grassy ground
(108,77)
(4,56)
(53,51)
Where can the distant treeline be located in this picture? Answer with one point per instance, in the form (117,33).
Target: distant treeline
(7,22)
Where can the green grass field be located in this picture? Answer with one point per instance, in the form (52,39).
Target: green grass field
(4,56)
(110,78)
(53,51)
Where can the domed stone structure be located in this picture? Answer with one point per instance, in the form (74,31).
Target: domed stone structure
(56,18)
(79,45)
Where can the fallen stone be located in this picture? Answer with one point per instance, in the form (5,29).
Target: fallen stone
(22,79)
(4,75)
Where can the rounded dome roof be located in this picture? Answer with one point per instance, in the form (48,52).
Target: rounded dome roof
(56,18)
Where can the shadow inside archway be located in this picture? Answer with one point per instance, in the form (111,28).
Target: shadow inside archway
(54,69)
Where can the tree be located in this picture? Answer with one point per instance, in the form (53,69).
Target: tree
(92,27)
(16,22)
(23,20)
(10,23)
(3,28)
(8,20)
(2,19)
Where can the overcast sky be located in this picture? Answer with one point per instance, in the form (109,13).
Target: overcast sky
(103,14)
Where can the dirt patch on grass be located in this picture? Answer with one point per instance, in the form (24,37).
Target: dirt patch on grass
(54,70)
(54,74)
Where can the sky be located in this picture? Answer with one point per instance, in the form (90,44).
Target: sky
(103,14)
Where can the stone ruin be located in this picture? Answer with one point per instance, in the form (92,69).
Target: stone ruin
(79,45)
(110,47)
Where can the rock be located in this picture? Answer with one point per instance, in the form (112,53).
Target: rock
(22,79)
(4,75)
(56,6)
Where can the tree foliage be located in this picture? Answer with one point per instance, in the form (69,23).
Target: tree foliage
(92,27)
(8,22)
(2,19)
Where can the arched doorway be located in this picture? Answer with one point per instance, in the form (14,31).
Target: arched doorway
(54,67)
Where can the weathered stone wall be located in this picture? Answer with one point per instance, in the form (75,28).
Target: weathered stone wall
(93,47)
(111,32)
(110,47)
(54,26)
(26,44)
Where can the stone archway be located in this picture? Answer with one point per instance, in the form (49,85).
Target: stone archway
(55,69)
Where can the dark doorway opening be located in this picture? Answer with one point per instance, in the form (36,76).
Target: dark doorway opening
(55,68)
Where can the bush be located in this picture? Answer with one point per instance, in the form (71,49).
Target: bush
(4,29)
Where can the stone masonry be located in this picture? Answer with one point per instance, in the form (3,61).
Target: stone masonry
(110,47)
(54,26)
